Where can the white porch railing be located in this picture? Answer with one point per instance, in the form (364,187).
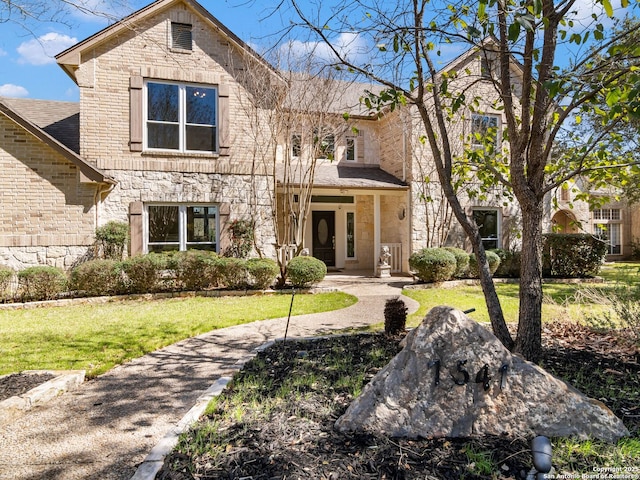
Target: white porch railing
(287,252)
(395,249)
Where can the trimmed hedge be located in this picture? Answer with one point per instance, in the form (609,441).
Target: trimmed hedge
(6,275)
(492,258)
(303,271)
(194,269)
(572,255)
(143,272)
(97,278)
(433,264)
(234,273)
(41,283)
(262,272)
(113,237)
(462,261)
(509,263)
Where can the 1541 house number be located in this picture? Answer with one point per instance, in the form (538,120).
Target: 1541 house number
(461,376)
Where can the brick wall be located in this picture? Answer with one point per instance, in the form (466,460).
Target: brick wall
(44,205)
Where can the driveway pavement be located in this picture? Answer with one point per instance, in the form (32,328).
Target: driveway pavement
(105,429)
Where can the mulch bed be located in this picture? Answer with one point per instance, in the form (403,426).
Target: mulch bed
(20,383)
(297,441)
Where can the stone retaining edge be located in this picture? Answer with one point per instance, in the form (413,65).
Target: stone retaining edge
(64,381)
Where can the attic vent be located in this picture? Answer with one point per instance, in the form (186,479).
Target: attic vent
(181,36)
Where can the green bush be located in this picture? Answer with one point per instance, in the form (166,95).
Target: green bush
(41,283)
(194,269)
(462,261)
(262,272)
(143,272)
(572,255)
(6,275)
(509,263)
(98,277)
(492,258)
(303,271)
(234,273)
(112,237)
(433,264)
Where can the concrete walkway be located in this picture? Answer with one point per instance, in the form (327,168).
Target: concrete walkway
(106,428)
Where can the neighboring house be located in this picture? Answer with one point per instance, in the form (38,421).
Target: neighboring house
(162,139)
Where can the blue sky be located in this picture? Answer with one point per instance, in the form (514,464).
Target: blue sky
(28,69)
(27,64)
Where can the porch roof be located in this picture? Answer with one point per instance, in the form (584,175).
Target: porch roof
(341,176)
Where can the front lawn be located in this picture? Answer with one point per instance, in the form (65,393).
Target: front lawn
(95,338)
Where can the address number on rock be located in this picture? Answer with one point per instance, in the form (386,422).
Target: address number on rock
(460,375)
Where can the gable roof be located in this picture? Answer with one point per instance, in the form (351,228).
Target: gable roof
(56,125)
(69,59)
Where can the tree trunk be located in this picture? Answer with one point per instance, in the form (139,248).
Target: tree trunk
(529,337)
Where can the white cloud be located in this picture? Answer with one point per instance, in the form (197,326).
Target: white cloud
(349,45)
(11,90)
(41,50)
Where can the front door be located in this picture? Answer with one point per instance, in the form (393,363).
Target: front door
(324,237)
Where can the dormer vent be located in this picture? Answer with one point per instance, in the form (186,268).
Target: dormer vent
(181,37)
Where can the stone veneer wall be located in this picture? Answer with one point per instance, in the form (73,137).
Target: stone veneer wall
(47,215)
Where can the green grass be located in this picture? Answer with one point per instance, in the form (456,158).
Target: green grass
(98,337)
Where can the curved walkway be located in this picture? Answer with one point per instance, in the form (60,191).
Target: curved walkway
(105,428)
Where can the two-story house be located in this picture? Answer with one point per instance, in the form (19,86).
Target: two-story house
(171,137)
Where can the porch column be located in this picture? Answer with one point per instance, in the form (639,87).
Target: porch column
(376,232)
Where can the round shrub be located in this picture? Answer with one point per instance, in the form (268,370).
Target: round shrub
(262,272)
(143,272)
(492,258)
(6,275)
(194,269)
(41,283)
(98,277)
(462,261)
(433,264)
(303,271)
(234,273)
(509,263)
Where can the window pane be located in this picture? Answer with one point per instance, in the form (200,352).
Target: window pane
(201,105)
(201,138)
(161,135)
(163,224)
(351,238)
(483,127)
(487,221)
(296,145)
(201,225)
(162,102)
(351,149)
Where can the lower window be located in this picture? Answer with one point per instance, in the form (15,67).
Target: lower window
(182,227)
(487,221)
(611,233)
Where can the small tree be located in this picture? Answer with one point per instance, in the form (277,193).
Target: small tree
(241,238)
(111,240)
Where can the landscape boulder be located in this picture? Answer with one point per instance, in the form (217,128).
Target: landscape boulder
(454,378)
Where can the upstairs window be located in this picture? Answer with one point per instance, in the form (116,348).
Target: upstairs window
(181,117)
(484,130)
(181,37)
(296,145)
(324,143)
(350,153)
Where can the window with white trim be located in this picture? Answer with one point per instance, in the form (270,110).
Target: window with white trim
(181,227)
(488,221)
(607,224)
(324,143)
(484,130)
(181,117)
